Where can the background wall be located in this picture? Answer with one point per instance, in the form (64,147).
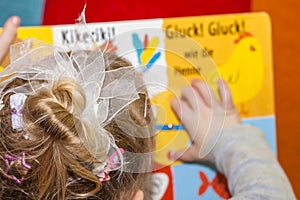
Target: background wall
(46,12)
(31,11)
(61,11)
(285,17)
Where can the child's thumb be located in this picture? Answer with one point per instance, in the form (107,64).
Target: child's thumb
(186,155)
(8,34)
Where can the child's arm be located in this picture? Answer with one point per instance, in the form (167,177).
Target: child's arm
(8,34)
(241,153)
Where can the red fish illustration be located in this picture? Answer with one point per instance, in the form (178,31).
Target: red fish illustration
(219,185)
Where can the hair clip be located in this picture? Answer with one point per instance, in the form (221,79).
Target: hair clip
(104,176)
(16,103)
(1,104)
(9,161)
(113,161)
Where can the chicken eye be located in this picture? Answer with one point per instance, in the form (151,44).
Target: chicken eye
(252,48)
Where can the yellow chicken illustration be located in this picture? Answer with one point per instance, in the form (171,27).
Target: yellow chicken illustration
(244,70)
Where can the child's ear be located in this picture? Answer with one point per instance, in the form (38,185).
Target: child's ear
(139,195)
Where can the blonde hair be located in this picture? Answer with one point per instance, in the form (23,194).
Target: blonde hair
(61,166)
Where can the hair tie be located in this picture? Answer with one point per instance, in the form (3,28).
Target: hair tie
(9,161)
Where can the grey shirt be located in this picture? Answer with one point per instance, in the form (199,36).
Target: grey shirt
(243,155)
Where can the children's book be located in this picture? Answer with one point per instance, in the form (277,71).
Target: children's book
(169,53)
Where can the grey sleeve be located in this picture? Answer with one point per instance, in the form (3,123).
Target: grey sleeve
(243,155)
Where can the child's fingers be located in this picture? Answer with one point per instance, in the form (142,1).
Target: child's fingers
(182,110)
(225,94)
(205,91)
(190,95)
(8,34)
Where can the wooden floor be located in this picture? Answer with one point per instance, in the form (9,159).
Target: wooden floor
(285,16)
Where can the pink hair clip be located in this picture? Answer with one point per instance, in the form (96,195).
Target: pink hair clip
(9,160)
(113,161)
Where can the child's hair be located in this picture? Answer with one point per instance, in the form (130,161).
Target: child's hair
(59,165)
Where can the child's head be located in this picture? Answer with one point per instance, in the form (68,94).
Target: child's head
(56,144)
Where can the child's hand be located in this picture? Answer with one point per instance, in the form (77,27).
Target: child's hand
(204,117)
(8,34)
